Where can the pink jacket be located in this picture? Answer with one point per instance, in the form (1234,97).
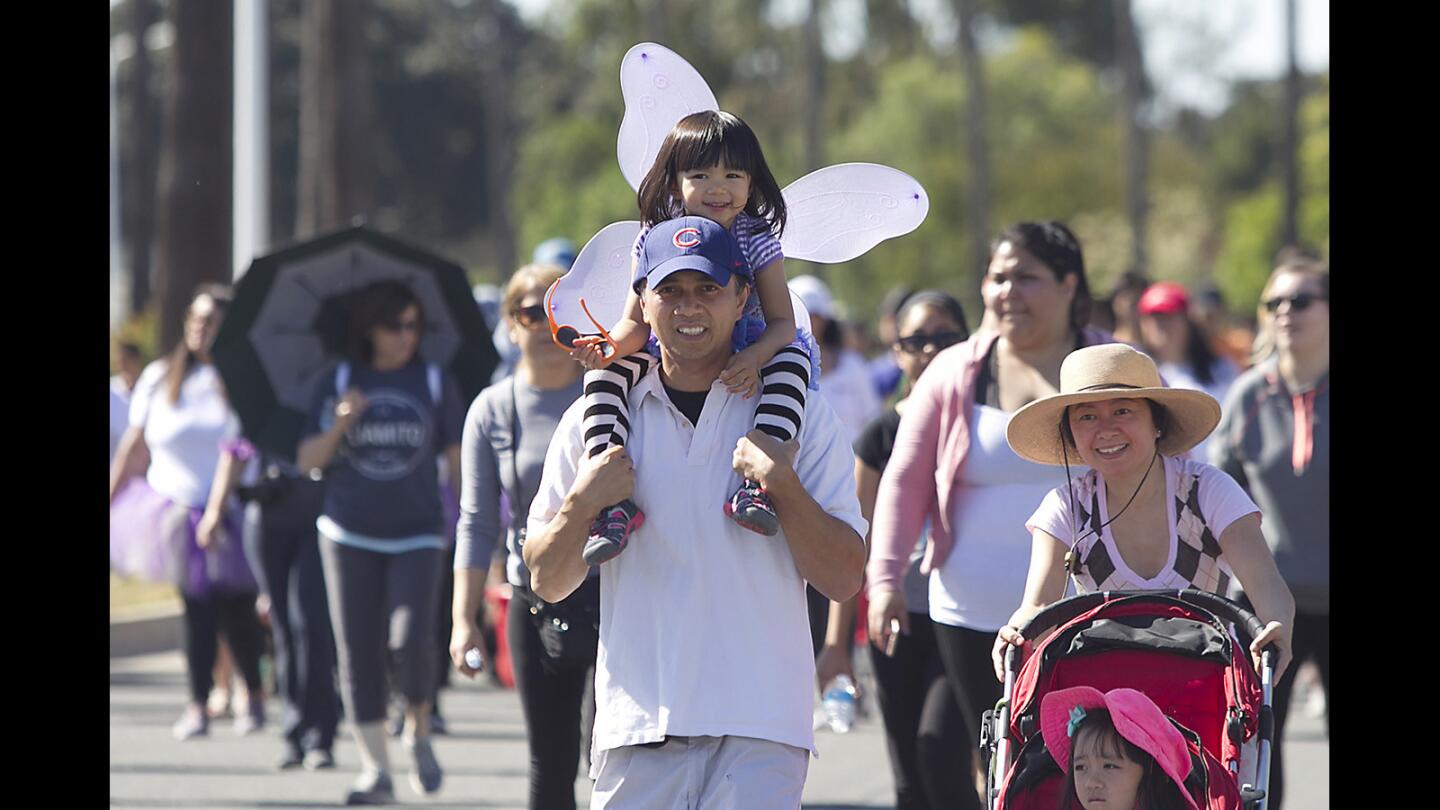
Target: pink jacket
(924,469)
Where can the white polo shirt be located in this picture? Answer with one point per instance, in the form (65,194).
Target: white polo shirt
(703,624)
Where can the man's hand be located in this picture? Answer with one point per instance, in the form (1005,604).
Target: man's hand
(602,480)
(761,458)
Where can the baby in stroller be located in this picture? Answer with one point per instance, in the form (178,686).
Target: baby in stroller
(1177,651)
(1117,749)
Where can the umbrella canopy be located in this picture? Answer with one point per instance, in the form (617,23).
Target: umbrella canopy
(286,328)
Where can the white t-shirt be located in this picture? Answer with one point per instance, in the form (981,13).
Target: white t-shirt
(183,437)
(1178,375)
(845,384)
(703,625)
(983,579)
(1221,500)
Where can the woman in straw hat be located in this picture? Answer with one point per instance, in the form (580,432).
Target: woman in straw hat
(1143,516)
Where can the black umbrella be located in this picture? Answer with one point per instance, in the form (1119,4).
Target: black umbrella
(285,330)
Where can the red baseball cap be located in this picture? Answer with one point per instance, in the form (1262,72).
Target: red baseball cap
(1164,296)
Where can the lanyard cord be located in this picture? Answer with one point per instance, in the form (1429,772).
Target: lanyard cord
(1073,557)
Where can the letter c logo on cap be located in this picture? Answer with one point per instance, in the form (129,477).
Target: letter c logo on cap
(686,238)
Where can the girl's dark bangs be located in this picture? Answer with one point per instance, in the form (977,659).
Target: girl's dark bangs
(709,147)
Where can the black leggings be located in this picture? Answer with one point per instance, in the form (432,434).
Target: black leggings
(1311,639)
(966,654)
(930,755)
(551,703)
(283,550)
(234,616)
(382,607)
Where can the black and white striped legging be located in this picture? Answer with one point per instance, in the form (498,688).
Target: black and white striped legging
(784,381)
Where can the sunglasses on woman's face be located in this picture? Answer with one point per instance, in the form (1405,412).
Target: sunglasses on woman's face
(915,344)
(1298,303)
(529,317)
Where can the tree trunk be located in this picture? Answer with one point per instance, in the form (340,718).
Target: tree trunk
(498,64)
(814,90)
(977,197)
(337,118)
(1137,138)
(1290,133)
(140,148)
(195,168)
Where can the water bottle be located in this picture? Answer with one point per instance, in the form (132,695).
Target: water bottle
(474,659)
(839,702)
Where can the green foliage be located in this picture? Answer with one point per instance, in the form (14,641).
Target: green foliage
(1252,221)
(1251,225)
(1054,132)
(140,329)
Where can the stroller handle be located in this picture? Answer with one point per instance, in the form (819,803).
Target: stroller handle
(1067,609)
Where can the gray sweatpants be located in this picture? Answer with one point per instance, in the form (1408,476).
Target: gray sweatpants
(383,609)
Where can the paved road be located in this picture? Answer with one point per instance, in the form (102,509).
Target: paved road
(484,756)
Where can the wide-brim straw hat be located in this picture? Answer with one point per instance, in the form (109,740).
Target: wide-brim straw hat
(1110,371)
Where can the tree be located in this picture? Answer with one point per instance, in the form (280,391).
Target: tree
(140,120)
(500,38)
(195,170)
(977,208)
(1137,146)
(1290,133)
(337,118)
(815,89)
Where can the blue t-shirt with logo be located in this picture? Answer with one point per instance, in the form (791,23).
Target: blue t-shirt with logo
(383,481)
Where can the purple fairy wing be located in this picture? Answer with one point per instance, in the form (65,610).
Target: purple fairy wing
(600,276)
(659,88)
(839,212)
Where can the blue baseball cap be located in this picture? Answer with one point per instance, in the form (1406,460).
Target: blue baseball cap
(689,243)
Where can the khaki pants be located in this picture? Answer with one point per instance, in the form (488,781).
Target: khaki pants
(702,773)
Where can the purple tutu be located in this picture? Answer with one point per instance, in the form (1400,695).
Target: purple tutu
(152,538)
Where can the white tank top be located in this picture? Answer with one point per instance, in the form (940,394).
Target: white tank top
(983,579)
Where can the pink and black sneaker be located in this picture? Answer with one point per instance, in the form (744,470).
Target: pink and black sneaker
(751,508)
(610,532)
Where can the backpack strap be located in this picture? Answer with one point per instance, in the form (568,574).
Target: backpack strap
(432,378)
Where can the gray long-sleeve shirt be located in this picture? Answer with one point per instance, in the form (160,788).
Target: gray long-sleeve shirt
(1258,445)
(490,463)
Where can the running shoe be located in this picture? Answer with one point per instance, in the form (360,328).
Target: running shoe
(751,508)
(610,532)
(193,723)
(425,773)
(371,788)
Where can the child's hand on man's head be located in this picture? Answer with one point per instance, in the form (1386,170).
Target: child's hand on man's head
(742,373)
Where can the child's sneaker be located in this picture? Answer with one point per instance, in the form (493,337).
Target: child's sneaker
(611,531)
(751,508)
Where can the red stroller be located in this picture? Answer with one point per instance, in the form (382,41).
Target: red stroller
(1172,645)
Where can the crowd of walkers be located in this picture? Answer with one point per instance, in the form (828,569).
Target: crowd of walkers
(976,454)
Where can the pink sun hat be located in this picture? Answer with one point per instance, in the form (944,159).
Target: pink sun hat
(1136,719)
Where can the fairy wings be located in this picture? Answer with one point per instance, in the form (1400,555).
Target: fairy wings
(834,214)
